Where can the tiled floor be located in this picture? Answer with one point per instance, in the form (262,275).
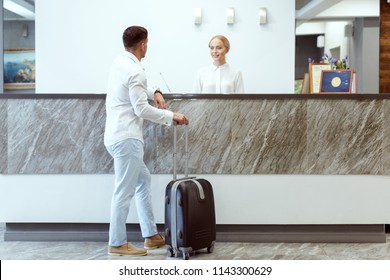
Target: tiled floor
(223,251)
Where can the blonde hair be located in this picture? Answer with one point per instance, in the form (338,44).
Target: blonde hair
(224,40)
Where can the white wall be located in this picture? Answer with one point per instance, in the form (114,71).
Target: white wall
(257,199)
(77,40)
(311,28)
(334,37)
(352,9)
(369,78)
(76,43)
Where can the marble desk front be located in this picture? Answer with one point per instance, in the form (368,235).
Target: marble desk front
(229,134)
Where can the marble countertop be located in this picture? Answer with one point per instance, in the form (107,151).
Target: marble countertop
(272,134)
(204,96)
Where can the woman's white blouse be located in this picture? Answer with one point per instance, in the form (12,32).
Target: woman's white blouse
(218,79)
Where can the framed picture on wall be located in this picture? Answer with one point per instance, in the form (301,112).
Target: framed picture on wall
(19,69)
(315,71)
(337,81)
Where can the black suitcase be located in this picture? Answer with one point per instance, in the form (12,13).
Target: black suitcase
(189,211)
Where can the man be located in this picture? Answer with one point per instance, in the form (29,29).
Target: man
(127,106)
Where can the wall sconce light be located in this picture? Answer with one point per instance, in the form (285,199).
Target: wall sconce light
(348,30)
(320,41)
(25,30)
(230,15)
(263,16)
(198,16)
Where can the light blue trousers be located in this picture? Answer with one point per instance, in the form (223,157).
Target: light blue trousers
(132,178)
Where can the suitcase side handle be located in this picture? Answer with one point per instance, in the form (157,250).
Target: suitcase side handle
(175,150)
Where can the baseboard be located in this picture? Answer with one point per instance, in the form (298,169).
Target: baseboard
(225,233)
(302,233)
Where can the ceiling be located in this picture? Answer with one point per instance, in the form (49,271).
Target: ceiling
(25,9)
(19,9)
(301,3)
(326,10)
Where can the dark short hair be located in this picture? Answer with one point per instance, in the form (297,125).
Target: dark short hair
(133,35)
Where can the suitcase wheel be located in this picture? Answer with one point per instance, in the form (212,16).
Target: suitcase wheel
(170,252)
(210,249)
(185,254)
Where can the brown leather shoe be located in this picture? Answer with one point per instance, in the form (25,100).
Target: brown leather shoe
(151,244)
(126,249)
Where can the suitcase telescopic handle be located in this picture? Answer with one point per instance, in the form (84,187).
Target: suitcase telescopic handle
(175,150)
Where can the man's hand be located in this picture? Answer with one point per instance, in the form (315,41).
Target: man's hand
(180,118)
(159,100)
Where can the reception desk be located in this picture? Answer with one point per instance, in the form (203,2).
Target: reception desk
(229,134)
(274,160)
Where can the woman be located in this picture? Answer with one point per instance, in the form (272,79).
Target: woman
(218,77)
